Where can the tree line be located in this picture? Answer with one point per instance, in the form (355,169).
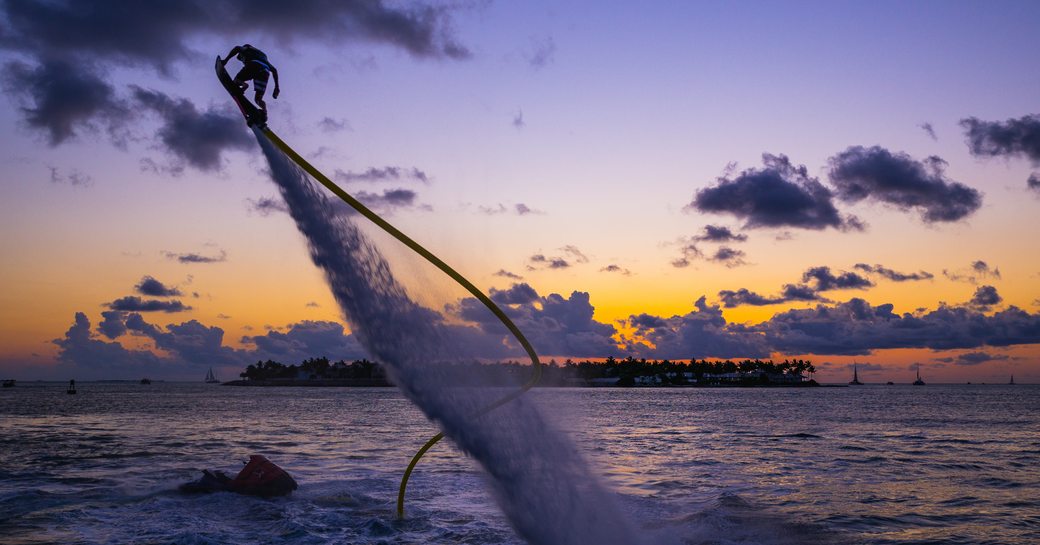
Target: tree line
(627,371)
(313,368)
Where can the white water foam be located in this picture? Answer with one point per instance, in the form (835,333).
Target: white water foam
(540,480)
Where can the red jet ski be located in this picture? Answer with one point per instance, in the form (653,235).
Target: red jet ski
(261,477)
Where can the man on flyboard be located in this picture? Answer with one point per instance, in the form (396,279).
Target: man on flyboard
(256,67)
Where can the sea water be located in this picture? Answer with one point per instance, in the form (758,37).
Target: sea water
(873,464)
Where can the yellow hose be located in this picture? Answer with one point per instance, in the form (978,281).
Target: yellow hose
(436,261)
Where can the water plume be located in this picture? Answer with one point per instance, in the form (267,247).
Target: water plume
(538,477)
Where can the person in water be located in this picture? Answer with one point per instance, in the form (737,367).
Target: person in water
(256,67)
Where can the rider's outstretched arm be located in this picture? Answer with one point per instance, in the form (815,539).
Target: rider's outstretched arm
(234,51)
(274,72)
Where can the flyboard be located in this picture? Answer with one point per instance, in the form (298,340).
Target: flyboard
(258,118)
(253,115)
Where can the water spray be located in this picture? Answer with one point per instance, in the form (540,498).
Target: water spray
(443,267)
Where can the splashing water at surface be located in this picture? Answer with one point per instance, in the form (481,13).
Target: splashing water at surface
(540,480)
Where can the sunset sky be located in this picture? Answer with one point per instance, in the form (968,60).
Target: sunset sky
(838,181)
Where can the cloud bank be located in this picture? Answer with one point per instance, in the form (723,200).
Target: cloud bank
(565,326)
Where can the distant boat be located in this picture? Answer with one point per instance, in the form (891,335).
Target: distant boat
(9,383)
(890,383)
(1011,383)
(146,381)
(72,387)
(210,379)
(855,376)
(918,382)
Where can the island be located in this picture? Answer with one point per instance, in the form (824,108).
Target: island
(608,372)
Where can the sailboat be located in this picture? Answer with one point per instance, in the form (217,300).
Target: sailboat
(918,382)
(1012,383)
(210,379)
(855,376)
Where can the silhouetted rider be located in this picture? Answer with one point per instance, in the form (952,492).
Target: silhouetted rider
(256,67)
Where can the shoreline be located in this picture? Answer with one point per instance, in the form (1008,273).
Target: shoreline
(378,383)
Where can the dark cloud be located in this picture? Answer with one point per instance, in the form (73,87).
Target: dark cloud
(571,255)
(983,269)
(616,269)
(91,37)
(929,130)
(744,296)
(61,96)
(112,324)
(265,206)
(74,178)
(506,274)
(156,33)
(518,294)
(778,195)
(196,258)
(520,209)
(1011,138)
(898,180)
(892,275)
(150,286)
(575,253)
(387,201)
(688,251)
(329,125)
(422,30)
(133,303)
(523,210)
(385,174)
(493,210)
(973,358)
(815,280)
(699,334)
(977,270)
(789,293)
(147,33)
(729,257)
(984,298)
(800,292)
(825,280)
(196,138)
(717,233)
(384,203)
(1033,182)
(540,261)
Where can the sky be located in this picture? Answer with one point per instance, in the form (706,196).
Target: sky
(843,182)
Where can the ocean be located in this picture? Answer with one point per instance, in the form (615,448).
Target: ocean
(939,464)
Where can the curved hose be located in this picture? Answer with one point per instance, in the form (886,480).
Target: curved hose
(444,267)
